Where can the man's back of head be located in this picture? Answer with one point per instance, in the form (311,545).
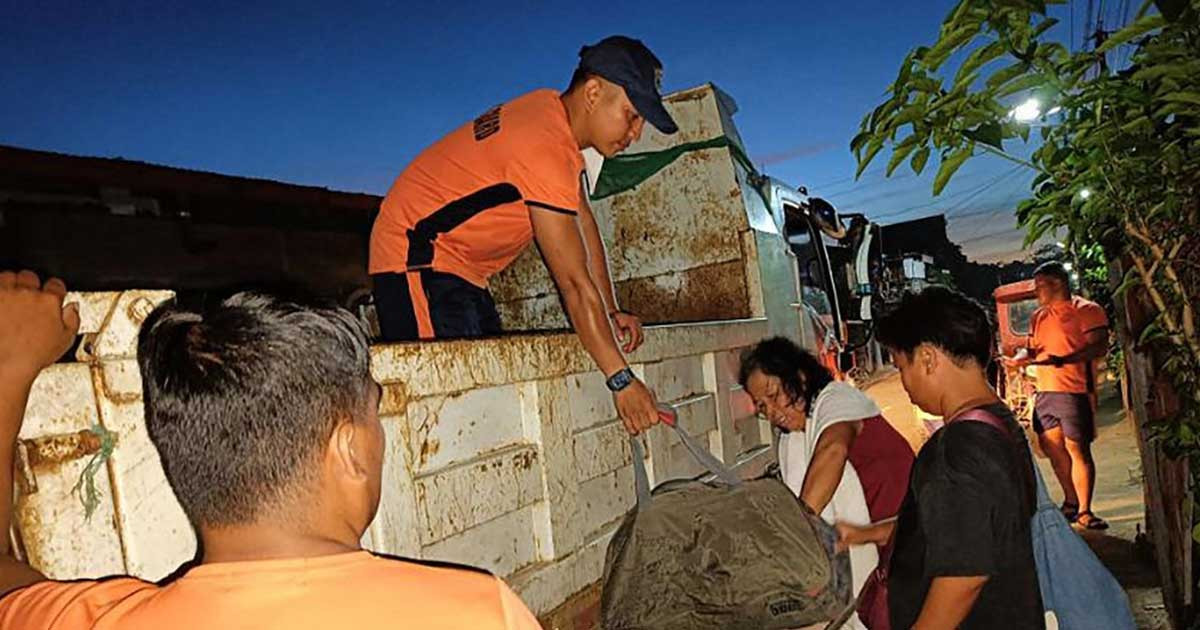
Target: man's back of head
(241,400)
(941,341)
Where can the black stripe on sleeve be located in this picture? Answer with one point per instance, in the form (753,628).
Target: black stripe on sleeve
(546,206)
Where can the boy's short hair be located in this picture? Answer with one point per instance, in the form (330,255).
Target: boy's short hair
(241,399)
(943,318)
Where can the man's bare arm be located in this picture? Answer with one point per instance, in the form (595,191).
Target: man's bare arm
(35,330)
(628,326)
(949,601)
(558,237)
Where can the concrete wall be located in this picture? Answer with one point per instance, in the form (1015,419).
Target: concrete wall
(502,453)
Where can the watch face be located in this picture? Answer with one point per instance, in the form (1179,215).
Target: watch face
(620,380)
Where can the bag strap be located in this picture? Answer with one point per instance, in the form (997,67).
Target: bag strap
(984,416)
(702,455)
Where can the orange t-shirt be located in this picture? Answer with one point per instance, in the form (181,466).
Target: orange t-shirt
(1061,329)
(350,590)
(462,206)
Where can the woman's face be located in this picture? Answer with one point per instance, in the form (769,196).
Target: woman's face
(773,402)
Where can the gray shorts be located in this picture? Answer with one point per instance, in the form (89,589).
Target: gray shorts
(1071,412)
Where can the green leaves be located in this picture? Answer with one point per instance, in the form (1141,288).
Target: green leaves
(950,164)
(978,59)
(872,149)
(1192,98)
(901,152)
(1140,27)
(1007,74)
(919,159)
(990,133)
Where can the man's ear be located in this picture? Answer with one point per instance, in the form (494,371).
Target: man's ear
(593,93)
(928,358)
(342,454)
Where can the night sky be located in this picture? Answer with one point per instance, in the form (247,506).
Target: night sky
(344,94)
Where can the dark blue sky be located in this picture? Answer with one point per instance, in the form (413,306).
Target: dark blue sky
(344,94)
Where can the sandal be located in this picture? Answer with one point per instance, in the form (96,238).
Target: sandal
(1070,511)
(1091,522)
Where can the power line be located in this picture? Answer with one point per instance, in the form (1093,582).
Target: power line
(1003,206)
(972,193)
(984,237)
(860,186)
(857,198)
(840,180)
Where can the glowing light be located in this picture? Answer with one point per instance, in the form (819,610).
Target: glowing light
(1027,111)
(1085,193)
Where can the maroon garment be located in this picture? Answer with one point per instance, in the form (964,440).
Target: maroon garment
(883,459)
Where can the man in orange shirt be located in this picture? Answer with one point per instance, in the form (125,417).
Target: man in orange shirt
(264,415)
(468,205)
(1068,334)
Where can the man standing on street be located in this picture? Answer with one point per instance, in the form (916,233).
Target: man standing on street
(468,205)
(1067,334)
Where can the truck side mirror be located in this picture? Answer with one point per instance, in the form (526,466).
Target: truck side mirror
(826,217)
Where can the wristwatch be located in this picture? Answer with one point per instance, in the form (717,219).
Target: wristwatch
(620,380)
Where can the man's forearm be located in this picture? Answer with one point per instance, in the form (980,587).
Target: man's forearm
(597,259)
(948,602)
(14,395)
(590,320)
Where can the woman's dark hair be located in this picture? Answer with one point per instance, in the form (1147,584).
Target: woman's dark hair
(798,370)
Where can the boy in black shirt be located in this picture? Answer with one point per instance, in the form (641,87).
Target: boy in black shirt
(963,555)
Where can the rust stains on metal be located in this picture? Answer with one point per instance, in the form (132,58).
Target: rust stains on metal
(580,611)
(394,401)
(712,292)
(429,448)
(524,460)
(139,309)
(693,94)
(50,450)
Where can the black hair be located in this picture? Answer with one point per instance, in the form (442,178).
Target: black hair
(798,370)
(943,318)
(1054,269)
(578,78)
(241,399)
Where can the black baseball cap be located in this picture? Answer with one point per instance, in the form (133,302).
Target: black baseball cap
(628,63)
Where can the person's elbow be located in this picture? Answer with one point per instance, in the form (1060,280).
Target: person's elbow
(574,286)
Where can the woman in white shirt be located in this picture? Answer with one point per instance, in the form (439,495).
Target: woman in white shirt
(836,451)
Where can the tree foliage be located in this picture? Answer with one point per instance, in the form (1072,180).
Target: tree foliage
(1117,161)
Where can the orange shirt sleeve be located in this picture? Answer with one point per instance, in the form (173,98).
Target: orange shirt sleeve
(517,615)
(54,604)
(548,176)
(1091,317)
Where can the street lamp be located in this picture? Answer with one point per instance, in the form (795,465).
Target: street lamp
(1027,111)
